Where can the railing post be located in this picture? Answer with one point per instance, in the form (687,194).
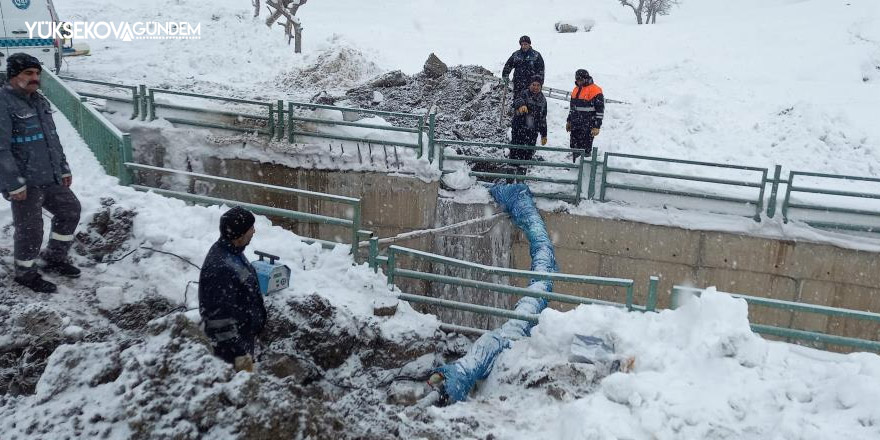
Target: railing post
(789,184)
(374,252)
(389,269)
(125,155)
(142,101)
(604,178)
(759,208)
(591,190)
(774,189)
(432,120)
(151,105)
(290,138)
(629,297)
(356,227)
(135,102)
(421,141)
(440,155)
(580,183)
(280,122)
(653,284)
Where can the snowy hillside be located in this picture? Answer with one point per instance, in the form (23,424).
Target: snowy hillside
(753,82)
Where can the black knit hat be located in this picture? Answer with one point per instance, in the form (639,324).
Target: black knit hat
(538,79)
(582,74)
(525,39)
(18,62)
(235,222)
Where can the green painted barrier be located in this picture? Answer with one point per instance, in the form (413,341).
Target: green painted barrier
(794,187)
(574,185)
(758,183)
(262,121)
(111,147)
(797,334)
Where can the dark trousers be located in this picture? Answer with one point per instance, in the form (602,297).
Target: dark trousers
(581,139)
(239,346)
(522,135)
(27,218)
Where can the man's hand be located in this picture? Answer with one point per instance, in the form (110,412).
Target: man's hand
(522,110)
(67,181)
(594,132)
(568,126)
(544,140)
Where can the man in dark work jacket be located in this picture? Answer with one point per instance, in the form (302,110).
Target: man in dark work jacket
(230,300)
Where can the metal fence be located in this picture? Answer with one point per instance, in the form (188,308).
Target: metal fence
(258,116)
(514,169)
(797,334)
(705,186)
(670,183)
(111,146)
(391,263)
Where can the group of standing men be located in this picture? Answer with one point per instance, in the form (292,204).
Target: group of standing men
(586,107)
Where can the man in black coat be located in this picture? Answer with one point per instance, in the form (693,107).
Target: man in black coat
(526,63)
(230,300)
(529,120)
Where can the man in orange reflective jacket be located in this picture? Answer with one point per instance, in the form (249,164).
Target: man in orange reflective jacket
(586,110)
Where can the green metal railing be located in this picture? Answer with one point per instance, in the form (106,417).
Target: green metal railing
(262,122)
(353,224)
(295,118)
(796,334)
(111,146)
(135,100)
(793,187)
(758,184)
(394,272)
(575,185)
(279,120)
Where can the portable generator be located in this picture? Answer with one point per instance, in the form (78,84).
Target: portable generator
(272,276)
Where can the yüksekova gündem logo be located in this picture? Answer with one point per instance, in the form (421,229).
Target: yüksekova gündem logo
(124,31)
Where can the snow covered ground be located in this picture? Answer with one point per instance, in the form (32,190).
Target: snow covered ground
(715,81)
(699,371)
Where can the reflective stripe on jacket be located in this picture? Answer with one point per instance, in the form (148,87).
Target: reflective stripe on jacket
(30,150)
(587,106)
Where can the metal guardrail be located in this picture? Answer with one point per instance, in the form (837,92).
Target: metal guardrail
(263,123)
(353,224)
(796,334)
(393,272)
(111,146)
(423,125)
(135,100)
(279,119)
(759,184)
(573,195)
(793,188)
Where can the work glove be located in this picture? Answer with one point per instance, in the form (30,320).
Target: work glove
(594,132)
(244,363)
(522,110)
(568,126)
(544,140)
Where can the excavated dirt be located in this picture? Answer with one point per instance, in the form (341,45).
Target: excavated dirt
(465,109)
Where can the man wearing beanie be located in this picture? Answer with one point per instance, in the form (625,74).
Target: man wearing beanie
(526,64)
(230,301)
(34,175)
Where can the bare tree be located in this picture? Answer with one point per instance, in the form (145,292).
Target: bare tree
(646,11)
(286,9)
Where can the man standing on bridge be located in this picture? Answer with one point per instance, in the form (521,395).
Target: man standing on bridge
(585,114)
(34,174)
(526,63)
(529,120)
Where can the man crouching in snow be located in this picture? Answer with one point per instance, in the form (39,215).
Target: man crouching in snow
(34,174)
(230,301)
